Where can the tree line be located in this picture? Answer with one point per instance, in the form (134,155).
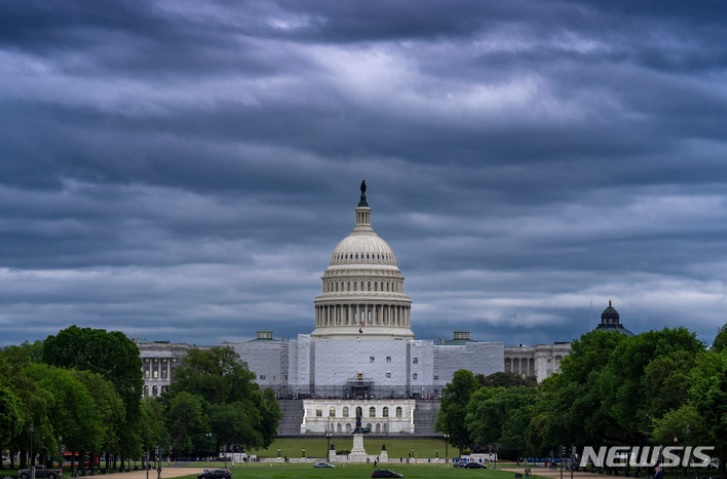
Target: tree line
(656,388)
(81,391)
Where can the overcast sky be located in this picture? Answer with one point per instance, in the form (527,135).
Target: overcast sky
(181,170)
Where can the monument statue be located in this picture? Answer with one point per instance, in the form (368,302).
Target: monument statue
(358,413)
(363,194)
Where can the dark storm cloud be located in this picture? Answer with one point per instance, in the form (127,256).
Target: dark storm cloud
(182,170)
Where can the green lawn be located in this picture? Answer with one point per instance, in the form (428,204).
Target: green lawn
(361,471)
(397,447)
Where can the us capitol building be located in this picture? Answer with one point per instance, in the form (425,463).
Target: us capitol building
(362,355)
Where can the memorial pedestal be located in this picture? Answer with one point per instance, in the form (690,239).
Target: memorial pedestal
(358,453)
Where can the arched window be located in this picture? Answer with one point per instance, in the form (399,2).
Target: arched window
(154,391)
(372,411)
(319,411)
(332,412)
(399,412)
(385,412)
(345,411)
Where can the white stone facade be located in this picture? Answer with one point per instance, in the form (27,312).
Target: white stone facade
(158,361)
(364,369)
(540,361)
(338,416)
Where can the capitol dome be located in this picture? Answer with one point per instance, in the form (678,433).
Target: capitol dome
(363,288)
(363,249)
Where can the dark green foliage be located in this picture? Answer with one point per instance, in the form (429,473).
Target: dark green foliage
(720,341)
(503,418)
(113,356)
(233,408)
(451,418)
(505,380)
(110,354)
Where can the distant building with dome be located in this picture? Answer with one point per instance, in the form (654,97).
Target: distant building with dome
(362,356)
(611,321)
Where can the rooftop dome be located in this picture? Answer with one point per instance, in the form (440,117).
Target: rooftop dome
(610,313)
(363,289)
(611,320)
(360,248)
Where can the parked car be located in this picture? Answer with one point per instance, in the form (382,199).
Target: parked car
(323,465)
(386,473)
(41,471)
(475,465)
(215,474)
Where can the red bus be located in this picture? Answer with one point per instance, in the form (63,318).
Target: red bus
(74,456)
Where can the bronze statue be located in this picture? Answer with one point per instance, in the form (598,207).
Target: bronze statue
(358,418)
(363,195)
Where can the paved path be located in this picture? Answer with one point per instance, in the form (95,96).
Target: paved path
(555,473)
(167,472)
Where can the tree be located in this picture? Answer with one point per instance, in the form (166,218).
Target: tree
(187,424)
(503,418)
(506,380)
(217,374)
(113,356)
(720,341)
(109,405)
(571,410)
(152,424)
(709,395)
(236,410)
(270,417)
(624,378)
(11,417)
(73,413)
(110,354)
(451,418)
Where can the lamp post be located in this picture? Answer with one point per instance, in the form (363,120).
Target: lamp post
(32,457)
(62,450)
(446,448)
(676,469)
(686,440)
(328,445)
(159,461)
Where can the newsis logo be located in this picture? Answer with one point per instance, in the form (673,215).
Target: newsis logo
(623,456)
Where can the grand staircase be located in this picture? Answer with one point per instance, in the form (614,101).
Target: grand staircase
(292,417)
(425,414)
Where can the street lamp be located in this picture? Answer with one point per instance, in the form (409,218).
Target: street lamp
(62,450)
(32,457)
(328,445)
(446,448)
(676,469)
(686,440)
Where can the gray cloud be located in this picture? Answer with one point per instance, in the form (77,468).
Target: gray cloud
(182,171)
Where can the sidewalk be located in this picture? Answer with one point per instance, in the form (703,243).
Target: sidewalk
(555,473)
(167,472)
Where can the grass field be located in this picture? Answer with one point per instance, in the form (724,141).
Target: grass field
(397,447)
(362,471)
